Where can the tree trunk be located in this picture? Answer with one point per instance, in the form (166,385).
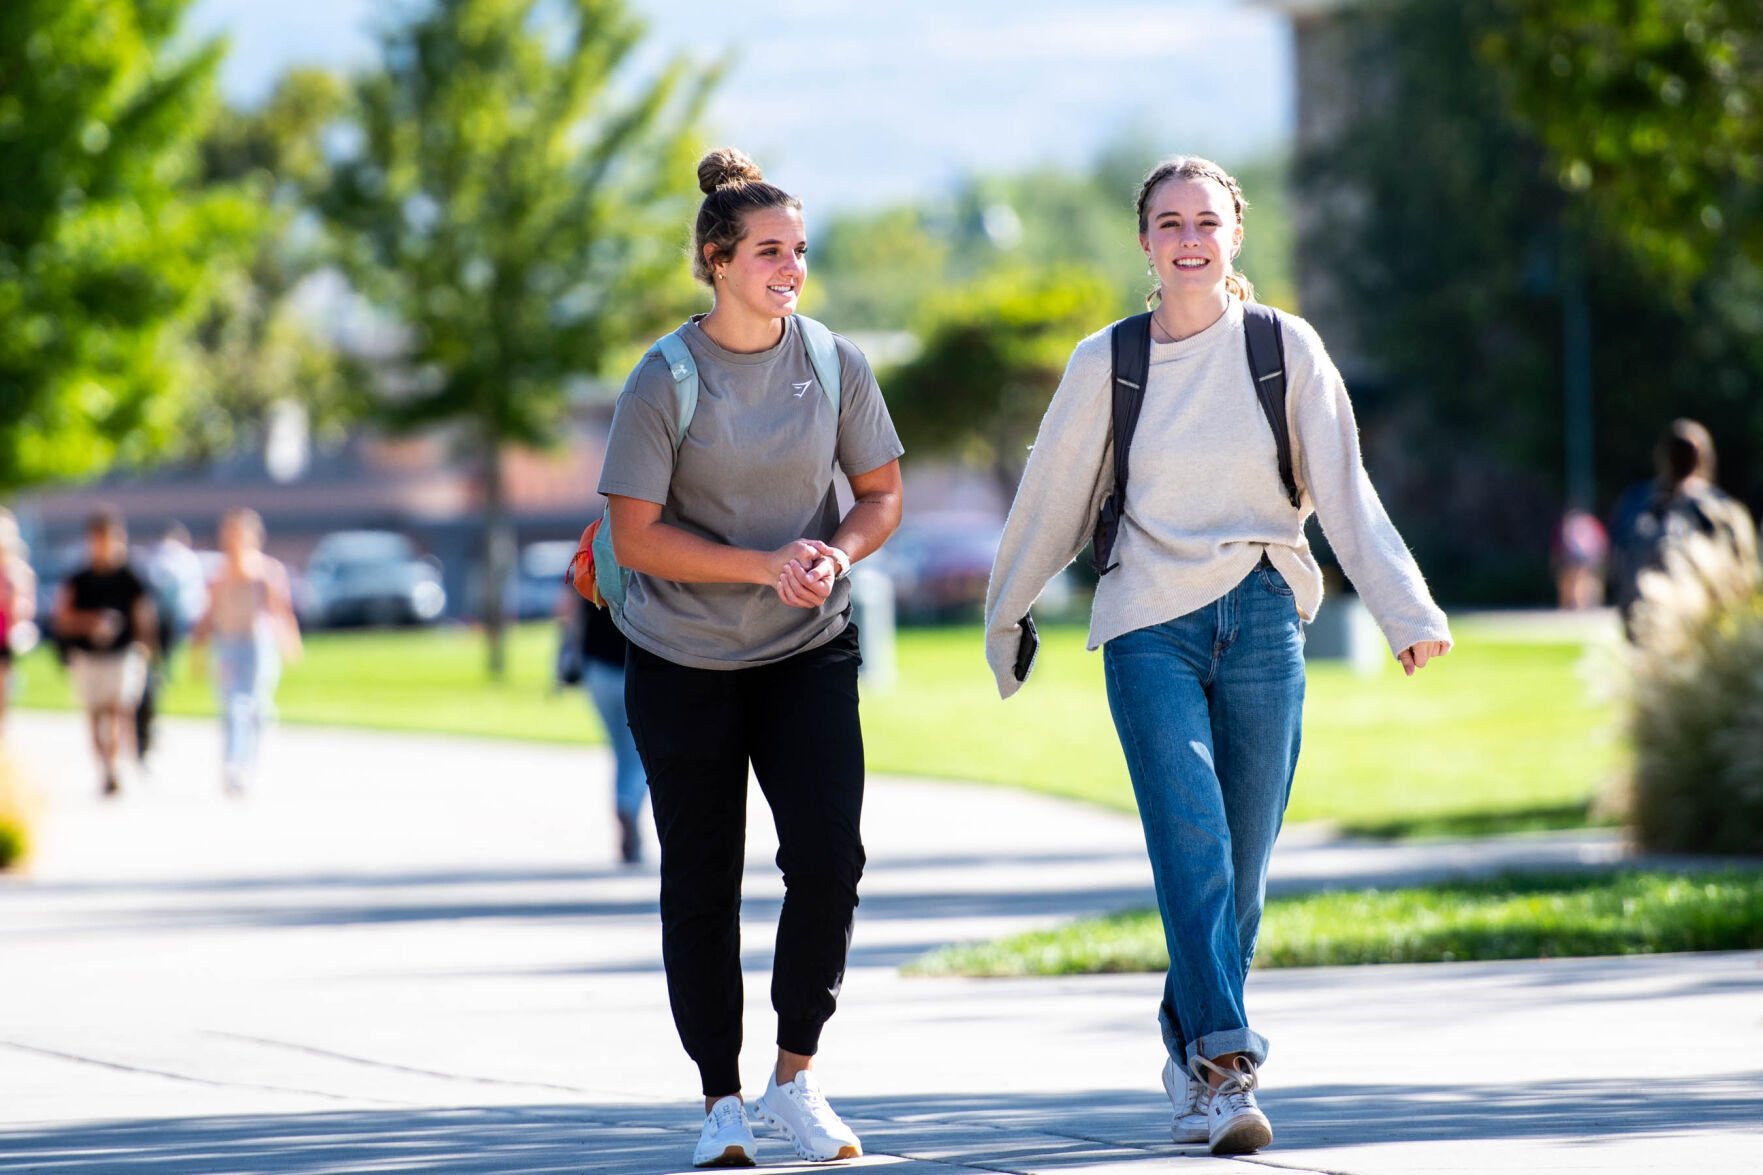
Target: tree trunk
(498,557)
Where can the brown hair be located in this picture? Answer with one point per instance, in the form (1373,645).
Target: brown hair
(247,520)
(1192,167)
(1685,451)
(733,186)
(106,519)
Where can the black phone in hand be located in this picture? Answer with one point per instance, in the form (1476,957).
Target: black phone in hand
(1026,647)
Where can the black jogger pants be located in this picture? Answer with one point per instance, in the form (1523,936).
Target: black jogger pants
(697,730)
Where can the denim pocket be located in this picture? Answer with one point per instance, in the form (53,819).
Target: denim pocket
(1272,580)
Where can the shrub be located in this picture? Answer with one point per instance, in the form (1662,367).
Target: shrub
(1695,704)
(15,816)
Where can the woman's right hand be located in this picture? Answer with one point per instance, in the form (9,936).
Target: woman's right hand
(801,575)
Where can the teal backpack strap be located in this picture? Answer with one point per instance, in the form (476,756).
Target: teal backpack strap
(611,578)
(823,356)
(684,370)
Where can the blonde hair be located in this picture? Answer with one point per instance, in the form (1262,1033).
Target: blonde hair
(1192,167)
(733,186)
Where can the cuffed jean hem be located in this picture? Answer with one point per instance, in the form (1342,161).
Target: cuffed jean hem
(720,1078)
(1231,1040)
(801,1037)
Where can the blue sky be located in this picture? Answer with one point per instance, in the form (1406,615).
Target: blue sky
(858,104)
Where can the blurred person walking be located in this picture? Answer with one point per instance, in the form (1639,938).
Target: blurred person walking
(1681,500)
(180,595)
(597,652)
(742,650)
(104,618)
(18,602)
(1203,598)
(250,619)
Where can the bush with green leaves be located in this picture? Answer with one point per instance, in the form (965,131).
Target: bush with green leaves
(1695,704)
(15,821)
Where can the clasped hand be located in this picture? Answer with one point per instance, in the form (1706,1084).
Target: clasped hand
(804,573)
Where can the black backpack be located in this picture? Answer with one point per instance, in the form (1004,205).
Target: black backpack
(1131,339)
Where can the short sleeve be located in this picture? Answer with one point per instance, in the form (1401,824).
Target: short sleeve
(640,446)
(867,440)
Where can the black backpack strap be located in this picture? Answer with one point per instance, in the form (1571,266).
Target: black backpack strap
(1267,367)
(1131,344)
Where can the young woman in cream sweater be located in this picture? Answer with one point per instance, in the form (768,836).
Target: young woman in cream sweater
(1201,620)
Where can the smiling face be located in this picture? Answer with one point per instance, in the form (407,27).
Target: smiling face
(764,275)
(1191,235)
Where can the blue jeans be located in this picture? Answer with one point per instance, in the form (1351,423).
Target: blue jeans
(246,670)
(1209,707)
(605,685)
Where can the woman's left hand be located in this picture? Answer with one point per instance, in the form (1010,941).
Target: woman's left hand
(1416,656)
(807,586)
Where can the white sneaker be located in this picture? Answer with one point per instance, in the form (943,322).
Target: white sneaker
(801,1112)
(1235,1124)
(727,1140)
(1187,1096)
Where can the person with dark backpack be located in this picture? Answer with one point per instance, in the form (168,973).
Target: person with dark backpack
(1682,500)
(1190,444)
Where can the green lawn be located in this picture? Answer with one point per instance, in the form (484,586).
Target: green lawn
(1499,734)
(1512,917)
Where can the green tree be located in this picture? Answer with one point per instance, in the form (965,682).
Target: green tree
(109,245)
(258,352)
(992,356)
(1653,109)
(1450,248)
(517,204)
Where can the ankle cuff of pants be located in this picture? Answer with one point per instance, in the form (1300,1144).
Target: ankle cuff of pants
(720,1078)
(801,1037)
(1230,1040)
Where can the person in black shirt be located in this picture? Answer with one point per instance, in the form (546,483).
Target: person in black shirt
(104,616)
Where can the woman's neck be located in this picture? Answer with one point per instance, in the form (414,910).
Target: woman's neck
(1180,318)
(740,331)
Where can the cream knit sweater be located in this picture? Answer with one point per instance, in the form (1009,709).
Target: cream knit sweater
(1204,500)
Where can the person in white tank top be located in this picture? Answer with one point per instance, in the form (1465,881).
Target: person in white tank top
(250,619)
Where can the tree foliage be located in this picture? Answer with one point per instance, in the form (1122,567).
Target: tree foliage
(515,200)
(1653,109)
(259,351)
(109,245)
(1450,245)
(872,268)
(992,356)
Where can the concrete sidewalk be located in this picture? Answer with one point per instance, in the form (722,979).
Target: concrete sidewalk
(417,953)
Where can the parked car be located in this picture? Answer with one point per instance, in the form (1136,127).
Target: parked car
(372,577)
(537,579)
(940,564)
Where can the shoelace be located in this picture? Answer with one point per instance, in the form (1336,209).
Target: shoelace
(1237,1084)
(810,1099)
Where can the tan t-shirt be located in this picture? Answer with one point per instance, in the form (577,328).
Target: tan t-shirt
(755,471)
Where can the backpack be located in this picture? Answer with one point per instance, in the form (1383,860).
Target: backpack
(1131,339)
(594,569)
(1648,524)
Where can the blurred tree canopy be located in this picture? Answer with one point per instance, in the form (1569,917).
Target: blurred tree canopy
(258,350)
(871,269)
(1651,108)
(992,356)
(510,196)
(109,243)
(1451,243)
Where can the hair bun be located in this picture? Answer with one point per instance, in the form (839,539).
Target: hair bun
(724,167)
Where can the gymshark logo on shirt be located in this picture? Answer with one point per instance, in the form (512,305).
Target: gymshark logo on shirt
(802,388)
